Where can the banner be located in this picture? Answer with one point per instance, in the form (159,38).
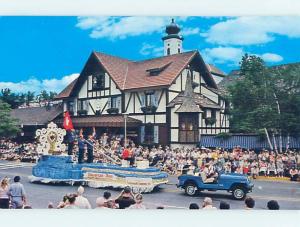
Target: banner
(68,125)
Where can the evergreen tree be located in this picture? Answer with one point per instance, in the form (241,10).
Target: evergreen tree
(8,125)
(265,98)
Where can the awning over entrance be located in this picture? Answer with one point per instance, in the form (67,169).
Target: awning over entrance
(102,121)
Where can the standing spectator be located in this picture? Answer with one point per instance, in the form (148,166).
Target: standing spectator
(101,203)
(71,203)
(250,203)
(207,204)
(224,206)
(138,202)
(4,193)
(17,193)
(273,205)
(125,199)
(63,203)
(82,202)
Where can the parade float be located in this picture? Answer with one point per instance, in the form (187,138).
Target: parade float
(55,167)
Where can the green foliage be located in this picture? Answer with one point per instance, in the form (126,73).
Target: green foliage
(265,98)
(8,126)
(15,100)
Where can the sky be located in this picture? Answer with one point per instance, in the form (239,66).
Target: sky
(40,52)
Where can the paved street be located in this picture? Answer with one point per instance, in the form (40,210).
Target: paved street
(39,195)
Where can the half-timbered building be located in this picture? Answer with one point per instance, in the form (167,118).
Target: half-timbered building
(168,100)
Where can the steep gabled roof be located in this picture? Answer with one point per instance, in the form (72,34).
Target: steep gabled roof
(67,91)
(130,75)
(138,76)
(214,70)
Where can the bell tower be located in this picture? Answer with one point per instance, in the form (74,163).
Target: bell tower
(172,41)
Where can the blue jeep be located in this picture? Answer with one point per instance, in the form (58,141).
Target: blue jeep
(238,184)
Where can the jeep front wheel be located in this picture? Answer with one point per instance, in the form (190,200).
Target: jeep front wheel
(190,189)
(238,193)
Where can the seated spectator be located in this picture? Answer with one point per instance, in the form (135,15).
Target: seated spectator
(273,205)
(294,174)
(194,206)
(250,203)
(224,206)
(207,204)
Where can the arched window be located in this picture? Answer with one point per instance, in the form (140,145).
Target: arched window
(168,51)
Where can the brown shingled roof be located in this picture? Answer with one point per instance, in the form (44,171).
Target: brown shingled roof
(36,115)
(130,75)
(67,91)
(214,70)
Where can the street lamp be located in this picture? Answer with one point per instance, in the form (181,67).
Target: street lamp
(125,129)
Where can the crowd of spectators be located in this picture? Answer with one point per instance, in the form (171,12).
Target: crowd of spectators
(13,151)
(178,160)
(192,161)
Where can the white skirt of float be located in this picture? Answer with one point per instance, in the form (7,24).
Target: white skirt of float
(135,189)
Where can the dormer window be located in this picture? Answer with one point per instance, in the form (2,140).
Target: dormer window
(157,70)
(98,81)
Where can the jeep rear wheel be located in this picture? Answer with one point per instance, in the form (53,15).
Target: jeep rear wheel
(238,193)
(190,189)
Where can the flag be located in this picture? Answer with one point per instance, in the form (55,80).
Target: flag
(68,125)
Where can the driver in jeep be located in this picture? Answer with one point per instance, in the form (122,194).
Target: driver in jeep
(208,174)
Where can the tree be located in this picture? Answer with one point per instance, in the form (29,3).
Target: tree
(8,125)
(13,99)
(265,98)
(29,97)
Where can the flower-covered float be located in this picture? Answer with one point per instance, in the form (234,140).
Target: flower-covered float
(60,168)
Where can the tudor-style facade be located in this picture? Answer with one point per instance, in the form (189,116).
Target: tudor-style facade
(170,100)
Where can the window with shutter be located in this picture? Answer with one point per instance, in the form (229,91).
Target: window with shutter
(119,103)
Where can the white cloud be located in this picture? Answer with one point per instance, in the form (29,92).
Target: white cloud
(190,31)
(270,57)
(252,30)
(123,27)
(233,56)
(222,55)
(35,85)
(152,50)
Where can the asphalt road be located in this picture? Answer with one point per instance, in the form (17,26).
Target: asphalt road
(39,195)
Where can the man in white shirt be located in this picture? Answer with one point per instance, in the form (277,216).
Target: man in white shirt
(81,201)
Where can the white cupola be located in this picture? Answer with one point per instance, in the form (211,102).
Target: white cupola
(172,41)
